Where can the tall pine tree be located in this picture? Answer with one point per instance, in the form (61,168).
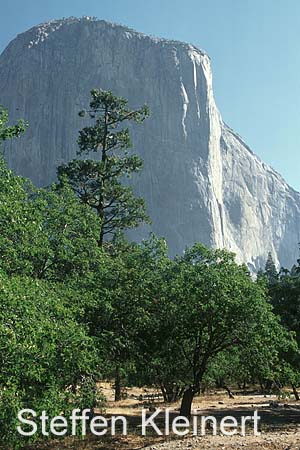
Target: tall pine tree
(98,181)
(270,269)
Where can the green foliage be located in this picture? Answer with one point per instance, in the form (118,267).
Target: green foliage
(44,233)
(270,269)
(284,291)
(99,184)
(69,231)
(208,304)
(46,356)
(73,309)
(117,301)
(9,132)
(285,296)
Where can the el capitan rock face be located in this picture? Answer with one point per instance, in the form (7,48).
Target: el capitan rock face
(200,180)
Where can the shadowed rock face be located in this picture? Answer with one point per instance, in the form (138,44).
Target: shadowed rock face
(200,180)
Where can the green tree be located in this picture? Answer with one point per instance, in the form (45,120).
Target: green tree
(67,240)
(44,233)
(253,364)
(117,300)
(12,131)
(207,305)
(47,359)
(98,183)
(285,298)
(270,269)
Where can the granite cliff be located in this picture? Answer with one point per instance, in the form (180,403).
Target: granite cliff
(201,182)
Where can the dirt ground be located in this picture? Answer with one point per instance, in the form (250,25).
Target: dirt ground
(279,424)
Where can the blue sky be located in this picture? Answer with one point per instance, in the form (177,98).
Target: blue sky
(254,46)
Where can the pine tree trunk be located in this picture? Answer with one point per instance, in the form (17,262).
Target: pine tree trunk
(101,205)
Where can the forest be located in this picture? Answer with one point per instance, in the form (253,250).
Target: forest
(81,303)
